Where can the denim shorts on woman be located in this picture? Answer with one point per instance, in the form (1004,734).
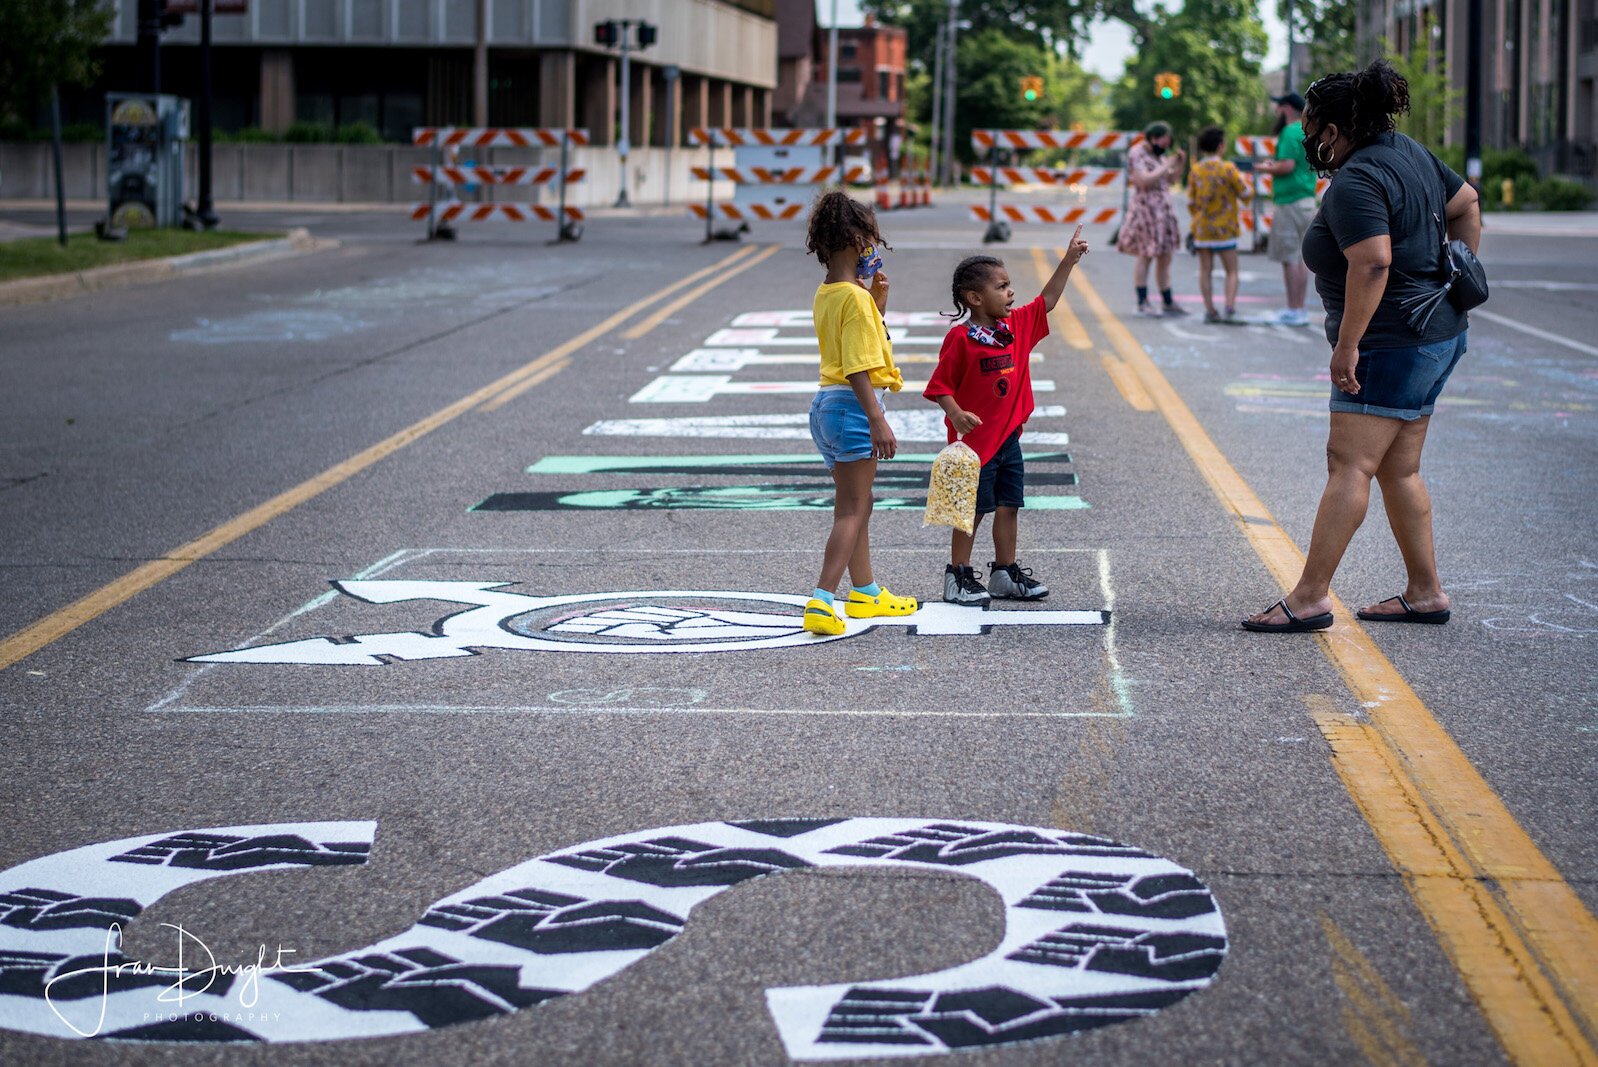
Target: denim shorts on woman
(1401,383)
(839,427)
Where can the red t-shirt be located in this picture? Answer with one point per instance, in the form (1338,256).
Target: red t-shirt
(994,384)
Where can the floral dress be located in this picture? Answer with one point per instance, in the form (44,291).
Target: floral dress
(1214,190)
(1150,228)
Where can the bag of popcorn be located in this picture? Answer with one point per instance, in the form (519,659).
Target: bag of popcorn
(952,495)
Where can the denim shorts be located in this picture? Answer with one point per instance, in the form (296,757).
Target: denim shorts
(1002,483)
(1401,383)
(839,427)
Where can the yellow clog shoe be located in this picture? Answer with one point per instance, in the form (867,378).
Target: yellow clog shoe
(861,606)
(821,618)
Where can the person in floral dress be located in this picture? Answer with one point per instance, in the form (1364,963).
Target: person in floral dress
(1150,230)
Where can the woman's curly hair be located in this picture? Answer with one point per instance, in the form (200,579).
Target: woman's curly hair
(972,272)
(838,220)
(1360,103)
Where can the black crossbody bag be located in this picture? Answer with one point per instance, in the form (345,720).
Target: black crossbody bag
(1463,283)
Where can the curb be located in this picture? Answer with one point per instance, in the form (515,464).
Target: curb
(145,271)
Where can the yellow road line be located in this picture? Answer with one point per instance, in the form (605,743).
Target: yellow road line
(1518,1001)
(56,625)
(1127,384)
(1555,928)
(512,393)
(1373,1015)
(1070,327)
(635,332)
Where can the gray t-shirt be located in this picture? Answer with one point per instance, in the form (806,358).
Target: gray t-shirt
(1391,186)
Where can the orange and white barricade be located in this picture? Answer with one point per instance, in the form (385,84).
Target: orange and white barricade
(1094,216)
(776,171)
(1078,181)
(1262,218)
(446,175)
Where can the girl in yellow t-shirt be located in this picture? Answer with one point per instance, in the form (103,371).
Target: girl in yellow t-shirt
(847,421)
(1215,187)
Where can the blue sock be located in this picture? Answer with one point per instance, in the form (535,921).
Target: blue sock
(1165,295)
(869,590)
(1142,294)
(821,594)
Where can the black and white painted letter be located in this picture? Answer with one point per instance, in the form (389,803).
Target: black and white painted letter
(1096,933)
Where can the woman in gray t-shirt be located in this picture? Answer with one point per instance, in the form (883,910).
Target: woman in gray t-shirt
(1378,237)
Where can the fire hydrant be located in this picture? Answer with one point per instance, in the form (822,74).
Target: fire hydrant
(1506,192)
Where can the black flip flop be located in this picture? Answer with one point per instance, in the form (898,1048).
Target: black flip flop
(1409,614)
(1293,625)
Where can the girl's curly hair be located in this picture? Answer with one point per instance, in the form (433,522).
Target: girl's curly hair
(972,272)
(838,220)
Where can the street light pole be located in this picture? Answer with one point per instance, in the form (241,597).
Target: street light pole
(949,79)
(1288,84)
(1473,101)
(623,146)
(934,138)
(832,78)
(206,211)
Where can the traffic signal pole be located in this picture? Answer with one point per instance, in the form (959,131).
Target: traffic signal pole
(623,145)
(206,210)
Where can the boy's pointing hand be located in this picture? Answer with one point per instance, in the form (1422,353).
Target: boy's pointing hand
(1078,247)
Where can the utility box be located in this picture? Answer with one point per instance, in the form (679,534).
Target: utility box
(145,134)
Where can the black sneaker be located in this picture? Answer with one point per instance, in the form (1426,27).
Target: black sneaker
(960,586)
(1015,582)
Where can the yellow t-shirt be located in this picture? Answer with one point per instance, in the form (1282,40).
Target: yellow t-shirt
(852,337)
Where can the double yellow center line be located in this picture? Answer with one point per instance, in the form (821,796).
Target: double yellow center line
(1523,941)
(58,624)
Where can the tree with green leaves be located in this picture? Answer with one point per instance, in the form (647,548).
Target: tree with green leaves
(1216,47)
(45,43)
(988,96)
(1433,100)
(1327,26)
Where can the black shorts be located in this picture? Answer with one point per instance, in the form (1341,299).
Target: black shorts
(1003,480)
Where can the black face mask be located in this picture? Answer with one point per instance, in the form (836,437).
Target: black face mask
(1281,123)
(1158,150)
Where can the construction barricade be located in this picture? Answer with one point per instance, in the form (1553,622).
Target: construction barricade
(1057,180)
(776,171)
(444,176)
(1261,214)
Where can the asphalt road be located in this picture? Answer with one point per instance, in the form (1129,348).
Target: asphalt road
(629,513)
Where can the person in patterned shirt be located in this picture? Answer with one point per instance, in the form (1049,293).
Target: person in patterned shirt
(1215,188)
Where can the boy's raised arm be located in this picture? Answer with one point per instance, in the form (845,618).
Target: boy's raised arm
(1055,288)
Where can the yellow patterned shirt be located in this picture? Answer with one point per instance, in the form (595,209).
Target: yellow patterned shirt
(1214,189)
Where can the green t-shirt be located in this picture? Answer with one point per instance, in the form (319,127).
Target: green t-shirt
(1286,188)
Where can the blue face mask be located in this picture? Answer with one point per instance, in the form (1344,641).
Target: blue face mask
(870,263)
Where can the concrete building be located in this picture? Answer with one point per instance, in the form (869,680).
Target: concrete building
(871,70)
(1540,70)
(395,64)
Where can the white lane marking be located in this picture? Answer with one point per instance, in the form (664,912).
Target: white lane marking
(795,426)
(698,389)
(1551,286)
(1120,684)
(731,360)
(740,338)
(802,319)
(1515,324)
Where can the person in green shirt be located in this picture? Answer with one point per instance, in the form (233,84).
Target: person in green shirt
(1293,200)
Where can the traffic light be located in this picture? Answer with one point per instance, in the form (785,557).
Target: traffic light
(647,34)
(1167,86)
(1031,88)
(607,34)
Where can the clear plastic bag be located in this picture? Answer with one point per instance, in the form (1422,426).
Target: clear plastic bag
(952,494)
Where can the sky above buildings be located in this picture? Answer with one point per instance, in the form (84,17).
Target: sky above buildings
(1109,43)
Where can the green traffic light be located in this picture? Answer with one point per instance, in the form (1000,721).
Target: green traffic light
(1031,95)
(1166,94)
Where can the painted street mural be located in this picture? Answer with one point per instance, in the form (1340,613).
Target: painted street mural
(805,484)
(1096,933)
(655,621)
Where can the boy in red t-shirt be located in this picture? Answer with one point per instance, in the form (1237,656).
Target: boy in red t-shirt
(983,383)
